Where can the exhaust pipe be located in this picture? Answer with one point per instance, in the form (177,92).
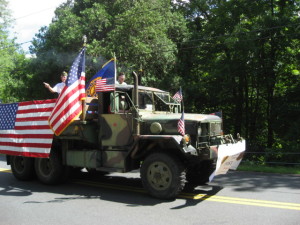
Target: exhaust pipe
(136,123)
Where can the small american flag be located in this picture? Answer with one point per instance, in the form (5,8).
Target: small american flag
(105,84)
(219,114)
(180,125)
(107,71)
(69,106)
(178,96)
(24,128)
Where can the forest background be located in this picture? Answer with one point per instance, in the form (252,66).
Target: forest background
(238,57)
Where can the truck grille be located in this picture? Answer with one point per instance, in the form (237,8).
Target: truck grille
(208,134)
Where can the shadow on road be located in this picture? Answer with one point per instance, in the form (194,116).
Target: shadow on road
(207,192)
(119,189)
(2,157)
(257,182)
(127,188)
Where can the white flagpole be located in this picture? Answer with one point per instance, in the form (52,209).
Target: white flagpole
(83,102)
(115,65)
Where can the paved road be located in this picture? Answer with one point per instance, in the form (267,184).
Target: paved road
(236,198)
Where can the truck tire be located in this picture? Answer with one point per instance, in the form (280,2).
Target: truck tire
(22,167)
(163,176)
(50,170)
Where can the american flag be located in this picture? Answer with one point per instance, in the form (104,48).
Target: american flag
(24,128)
(105,84)
(180,125)
(108,77)
(219,114)
(69,106)
(178,96)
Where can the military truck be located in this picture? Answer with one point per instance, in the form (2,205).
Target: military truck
(133,127)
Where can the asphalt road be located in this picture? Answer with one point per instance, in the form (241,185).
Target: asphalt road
(235,198)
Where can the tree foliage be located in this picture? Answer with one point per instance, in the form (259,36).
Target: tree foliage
(12,61)
(142,34)
(245,56)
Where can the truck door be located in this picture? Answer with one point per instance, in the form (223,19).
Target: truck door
(116,129)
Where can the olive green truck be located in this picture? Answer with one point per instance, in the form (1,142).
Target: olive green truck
(131,128)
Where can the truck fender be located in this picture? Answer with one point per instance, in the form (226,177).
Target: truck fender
(146,143)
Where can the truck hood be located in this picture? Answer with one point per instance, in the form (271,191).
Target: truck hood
(176,116)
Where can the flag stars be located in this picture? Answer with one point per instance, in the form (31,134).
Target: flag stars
(8,116)
(76,69)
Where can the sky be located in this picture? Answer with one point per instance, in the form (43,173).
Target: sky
(30,16)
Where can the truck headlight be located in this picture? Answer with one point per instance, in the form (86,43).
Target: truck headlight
(199,131)
(186,139)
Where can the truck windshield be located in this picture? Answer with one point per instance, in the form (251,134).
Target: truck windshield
(158,101)
(145,100)
(164,102)
(165,97)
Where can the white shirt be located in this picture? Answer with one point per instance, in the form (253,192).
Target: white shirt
(58,87)
(122,83)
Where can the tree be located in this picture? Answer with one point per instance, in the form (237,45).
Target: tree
(145,36)
(142,34)
(12,60)
(242,53)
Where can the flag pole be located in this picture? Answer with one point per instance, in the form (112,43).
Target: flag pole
(115,103)
(182,100)
(84,38)
(115,65)
(182,108)
(181,122)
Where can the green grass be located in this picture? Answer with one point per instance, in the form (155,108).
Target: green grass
(269,169)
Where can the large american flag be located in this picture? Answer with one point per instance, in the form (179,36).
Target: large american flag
(24,128)
(69,106)
(180,125)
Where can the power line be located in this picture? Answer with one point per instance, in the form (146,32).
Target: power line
(194,40)
(242,40)
(209,38)
(15,45)
(34,13)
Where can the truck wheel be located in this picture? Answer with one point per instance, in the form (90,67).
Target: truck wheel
(50,170)
(163,176)
(22,167)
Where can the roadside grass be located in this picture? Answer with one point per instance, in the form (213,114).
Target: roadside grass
(269,169)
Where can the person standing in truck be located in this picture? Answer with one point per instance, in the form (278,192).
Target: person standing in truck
(115,97)
(121,79)
(58,87)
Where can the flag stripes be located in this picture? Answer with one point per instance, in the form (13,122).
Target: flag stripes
(69,106)
(30,134)
(102,85)
(181,125)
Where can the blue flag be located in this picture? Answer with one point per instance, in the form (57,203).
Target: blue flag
(107,72)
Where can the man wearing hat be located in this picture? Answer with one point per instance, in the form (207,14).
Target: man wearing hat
(58,87)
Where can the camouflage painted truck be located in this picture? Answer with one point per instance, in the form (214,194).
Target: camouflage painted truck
(134,127)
